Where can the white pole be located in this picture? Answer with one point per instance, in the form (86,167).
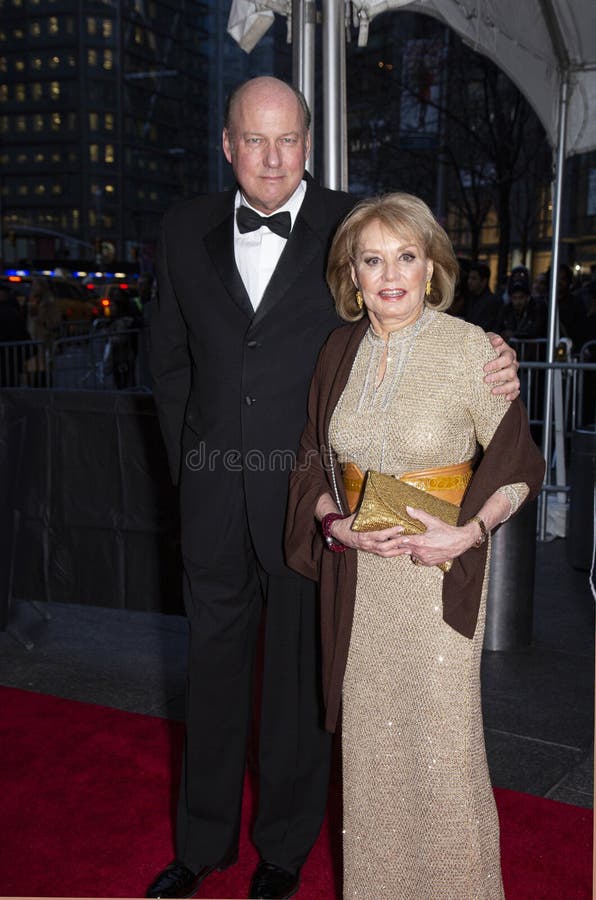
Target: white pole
(552,298)
(335,150)
(303,60)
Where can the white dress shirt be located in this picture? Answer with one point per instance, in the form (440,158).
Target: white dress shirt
(257,252)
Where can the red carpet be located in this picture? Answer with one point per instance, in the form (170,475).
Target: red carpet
(87,800)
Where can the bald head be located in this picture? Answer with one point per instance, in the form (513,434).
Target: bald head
(266,140)
(265,83)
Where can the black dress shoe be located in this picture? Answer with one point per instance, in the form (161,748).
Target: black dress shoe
(272,883)
(177,880)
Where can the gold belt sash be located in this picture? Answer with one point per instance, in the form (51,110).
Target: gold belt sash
(446,482)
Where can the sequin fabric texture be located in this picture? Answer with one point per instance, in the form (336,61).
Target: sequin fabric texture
(420,821)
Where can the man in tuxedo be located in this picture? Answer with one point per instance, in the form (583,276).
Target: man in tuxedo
(243,310)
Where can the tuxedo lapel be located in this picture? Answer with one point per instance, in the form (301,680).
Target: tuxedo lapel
(220,247)
(301,248)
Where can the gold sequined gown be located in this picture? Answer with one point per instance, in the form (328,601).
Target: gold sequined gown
(420,821)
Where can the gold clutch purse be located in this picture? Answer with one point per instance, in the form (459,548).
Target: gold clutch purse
(384,502)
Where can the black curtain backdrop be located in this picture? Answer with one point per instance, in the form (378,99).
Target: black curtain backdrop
(88,513)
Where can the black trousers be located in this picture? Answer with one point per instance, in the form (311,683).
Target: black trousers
(224,600)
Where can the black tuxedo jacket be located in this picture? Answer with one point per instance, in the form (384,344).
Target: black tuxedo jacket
(231,384)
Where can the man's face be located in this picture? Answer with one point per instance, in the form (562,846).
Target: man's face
(476,283)
(519,300)
(267,144)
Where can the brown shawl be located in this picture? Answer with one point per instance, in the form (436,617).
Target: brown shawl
(510,458)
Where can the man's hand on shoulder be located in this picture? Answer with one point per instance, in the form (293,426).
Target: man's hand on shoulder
(501,372)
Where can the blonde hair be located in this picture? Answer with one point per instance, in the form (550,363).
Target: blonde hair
(400,214)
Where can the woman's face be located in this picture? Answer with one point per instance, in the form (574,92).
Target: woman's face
(391,272)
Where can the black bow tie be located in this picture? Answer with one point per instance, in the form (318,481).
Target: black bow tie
(248,220)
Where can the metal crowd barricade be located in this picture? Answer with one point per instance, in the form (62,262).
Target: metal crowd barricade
(531,381)
(572,371)
(586,387)
(97,356)
(103,359)
(578,382)
(23,364)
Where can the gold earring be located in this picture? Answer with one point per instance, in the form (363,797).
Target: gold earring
(427,291)
(359,299)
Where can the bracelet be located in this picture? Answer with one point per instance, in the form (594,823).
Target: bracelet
(483,531)
(326,523)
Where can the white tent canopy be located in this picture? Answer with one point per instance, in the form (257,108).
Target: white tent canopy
(536,42)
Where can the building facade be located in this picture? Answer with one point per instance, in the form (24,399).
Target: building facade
(103,110)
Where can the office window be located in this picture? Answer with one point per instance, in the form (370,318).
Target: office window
(94,152)
(36,91)
(19,92)
(35,29)
(4,124)
(56,189)
(138,35)
(109,153)
(40,157)
(93,121)
(40,189)
(109,188)
(109,121)
(55,121)
(107,28)
(53,25)
(55,90)
(2,35)
(92,57)
(91,25)
(3,65)
(21,158)
(38,122)
(19,65)
(23,190)
(75,217)
(56,156)
(54,62)
(36,63)
(18,34)
(21,123)
(3,93)
(108,59)
(92,218)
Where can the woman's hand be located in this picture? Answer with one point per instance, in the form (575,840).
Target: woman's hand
(440,542)
(501,372)
(382,543)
